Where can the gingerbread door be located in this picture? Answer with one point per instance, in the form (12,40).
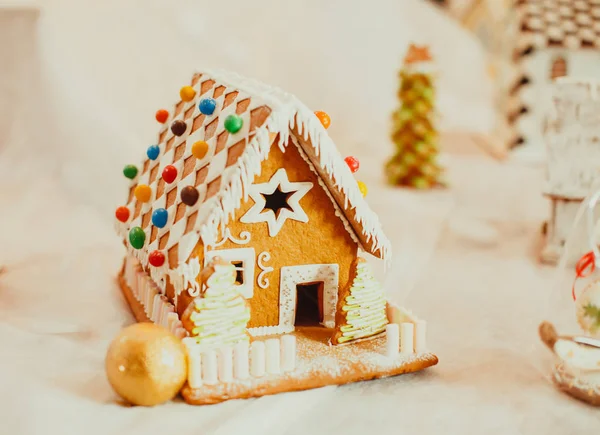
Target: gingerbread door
(318,281)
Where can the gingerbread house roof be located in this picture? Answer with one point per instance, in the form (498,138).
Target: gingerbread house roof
(561,23)
(270,117)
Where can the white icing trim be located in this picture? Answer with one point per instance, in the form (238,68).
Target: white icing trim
(261,280)
(248,256)
(337,210)
(184,277)
(244,238)
(257,213)
(291,276)
(269,330)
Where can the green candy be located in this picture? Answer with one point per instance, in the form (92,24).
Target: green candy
(233,123)
(130,171)
(137,237)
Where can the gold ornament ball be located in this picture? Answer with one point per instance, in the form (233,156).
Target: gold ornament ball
(146,364)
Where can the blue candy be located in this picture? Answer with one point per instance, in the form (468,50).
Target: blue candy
(207,106)
(160,217)
(152,152)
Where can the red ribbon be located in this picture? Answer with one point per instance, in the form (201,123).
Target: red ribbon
(584,268)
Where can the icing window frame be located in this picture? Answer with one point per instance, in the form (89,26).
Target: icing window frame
(247,258)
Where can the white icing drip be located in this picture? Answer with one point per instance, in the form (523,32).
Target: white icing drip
(262,281)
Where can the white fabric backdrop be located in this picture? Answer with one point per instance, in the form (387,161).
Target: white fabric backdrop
(100,71)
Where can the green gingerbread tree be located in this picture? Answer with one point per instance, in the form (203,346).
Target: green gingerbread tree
(414,163)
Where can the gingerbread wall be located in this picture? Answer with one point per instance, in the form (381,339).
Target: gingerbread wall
(322,240)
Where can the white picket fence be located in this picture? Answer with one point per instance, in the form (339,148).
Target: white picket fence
(156,305)
(242,361)
(405,334)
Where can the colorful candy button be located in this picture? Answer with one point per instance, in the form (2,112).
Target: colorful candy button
(324,118)
(178,127)
(187,93)
(352,163)
(160,217)
(142,192)
(122,213)
(363,188)
(130,171)
(137,237)
(169,174)
(207,106)
(189,195)
(156,258)
(233,123)
(152,152)
(199,149)
(162,115)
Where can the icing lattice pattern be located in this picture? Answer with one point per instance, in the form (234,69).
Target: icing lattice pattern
(569,23)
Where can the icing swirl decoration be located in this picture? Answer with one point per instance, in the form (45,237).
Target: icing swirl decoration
(242,240)
(262,281)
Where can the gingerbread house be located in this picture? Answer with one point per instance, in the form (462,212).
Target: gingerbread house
(247,173)
(245,195)
(550,39)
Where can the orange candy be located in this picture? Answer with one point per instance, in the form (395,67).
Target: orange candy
(324,118)
(162,115)
(199,149)
(187,93)
(142,192)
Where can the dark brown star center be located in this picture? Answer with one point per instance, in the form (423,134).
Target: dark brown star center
(277,201)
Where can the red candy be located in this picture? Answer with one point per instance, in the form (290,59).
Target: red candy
(352,163)
(122,213)
(156,258)
(169,173)
(162,115)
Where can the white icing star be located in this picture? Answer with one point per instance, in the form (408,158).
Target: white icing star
(258,212)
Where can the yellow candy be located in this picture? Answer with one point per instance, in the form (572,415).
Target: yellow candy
(363,188)
(187,93)
(142,193)
(199,149)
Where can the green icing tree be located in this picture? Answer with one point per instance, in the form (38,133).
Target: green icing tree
(414,164)
(220,315)
(364,310)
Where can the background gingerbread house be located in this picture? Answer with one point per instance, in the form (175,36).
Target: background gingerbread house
(552,38)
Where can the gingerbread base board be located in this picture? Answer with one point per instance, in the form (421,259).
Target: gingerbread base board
(318,364)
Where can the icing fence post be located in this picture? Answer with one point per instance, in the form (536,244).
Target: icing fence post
(194,362)
(407,332)
(210,367)
(392,340)
(157,306)
(288,353)
(257,352)
(420,336)
(241,363)
(172,318)
(226,364)
(273,356)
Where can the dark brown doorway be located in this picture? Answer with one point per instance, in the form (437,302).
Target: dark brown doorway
(309,304)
